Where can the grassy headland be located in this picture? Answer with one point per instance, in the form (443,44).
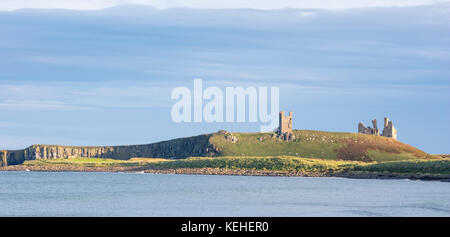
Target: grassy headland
(319,144)
(312,153)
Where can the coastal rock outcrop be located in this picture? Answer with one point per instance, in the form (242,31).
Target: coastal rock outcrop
(176,148)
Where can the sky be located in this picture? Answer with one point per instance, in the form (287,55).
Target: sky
(90,75)
(213,4)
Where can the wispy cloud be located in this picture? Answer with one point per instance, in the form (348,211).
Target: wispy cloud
(252,4)
(82,96)
(40,105)
(62,128)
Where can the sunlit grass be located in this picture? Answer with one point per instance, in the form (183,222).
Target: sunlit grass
(268,163)
(99,162)
(319,144)
(280,163)
(441,166)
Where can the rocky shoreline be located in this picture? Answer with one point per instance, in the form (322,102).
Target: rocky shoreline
(217,171)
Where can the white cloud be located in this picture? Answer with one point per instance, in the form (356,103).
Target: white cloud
(82,96)
(216,4)
(40,105)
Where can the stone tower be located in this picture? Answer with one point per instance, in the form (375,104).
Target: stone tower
(389,129)
(285,123)
(376,131)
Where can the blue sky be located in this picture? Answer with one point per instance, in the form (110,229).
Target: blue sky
(213,4)
(103,77)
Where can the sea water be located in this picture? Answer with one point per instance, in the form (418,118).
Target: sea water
(135,194)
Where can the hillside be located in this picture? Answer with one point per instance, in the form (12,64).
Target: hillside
(308,144)
(318,144)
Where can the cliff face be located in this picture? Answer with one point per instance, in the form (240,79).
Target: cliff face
(12,157)
(177,148)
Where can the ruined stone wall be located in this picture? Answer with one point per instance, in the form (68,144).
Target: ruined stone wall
(285,123)
(176,148)
(388,131)
(368,130)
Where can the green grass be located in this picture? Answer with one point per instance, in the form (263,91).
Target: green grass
(382,156)
(98,162)
(249,145)
(408,167)
(282,163)
(271,163)
(319,144)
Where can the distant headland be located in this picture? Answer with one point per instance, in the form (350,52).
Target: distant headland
(283,152)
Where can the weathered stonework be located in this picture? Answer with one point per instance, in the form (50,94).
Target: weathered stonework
(373,131)
(285,123)
(285,127)
(388,131)
(228,136)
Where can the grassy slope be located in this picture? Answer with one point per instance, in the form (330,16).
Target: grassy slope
(280,163)
(319,144)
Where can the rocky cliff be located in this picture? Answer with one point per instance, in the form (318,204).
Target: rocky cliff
(176,148)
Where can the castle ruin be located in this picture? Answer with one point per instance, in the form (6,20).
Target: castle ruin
(285,128)
(388,131)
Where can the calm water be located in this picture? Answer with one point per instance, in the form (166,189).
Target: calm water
(125,194)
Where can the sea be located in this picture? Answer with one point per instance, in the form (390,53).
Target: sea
(85,194)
